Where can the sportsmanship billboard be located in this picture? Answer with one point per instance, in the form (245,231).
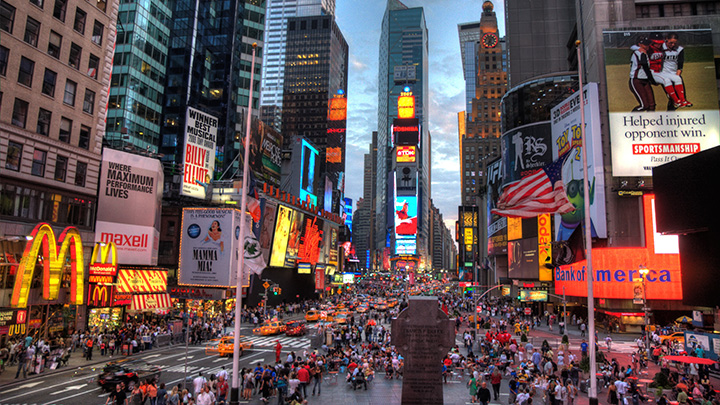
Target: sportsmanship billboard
(525,149)
(566,138)
(405,225)
(199,152)
(129,204)
(670,109)
(209,247)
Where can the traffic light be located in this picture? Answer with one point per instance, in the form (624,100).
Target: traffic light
(279,290)
(275,291)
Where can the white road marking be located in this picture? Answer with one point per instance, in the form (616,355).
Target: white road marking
(24,386)
(69,388)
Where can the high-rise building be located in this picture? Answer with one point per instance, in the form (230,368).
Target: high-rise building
(135,107)
(315,107)
(55,68)
(208,70)
(273,77)
(362,233)
(469,34)
(403,66)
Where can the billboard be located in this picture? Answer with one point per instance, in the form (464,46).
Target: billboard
(544,247)
(198,153)
(406,179)
(209,247)
(297,225)
(652,124)
(129,205)
(406,131)
(311,241)
(282,233)
(265,151)
(497,225)
(615,268)
(533,296)
(406,225)
(309,173)
(405,154)
(141,281)
(267,227)
(566,138)
(523,259)
(525,149)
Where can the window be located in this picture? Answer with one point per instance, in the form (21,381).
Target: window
(75,55)
(25,74)
(80,172)
(54,44)
(97,35)
(60,9)
(20,111)
(39,3)
(65,130)
(4,55)
(93,64)
(14,156)
(80,17)
(677,10)
(7,16)
(38,164)
(43,122)
(60,168)
(89,101)
(70,88)
(102,4)
(32,31)
(49,82)
(84,141)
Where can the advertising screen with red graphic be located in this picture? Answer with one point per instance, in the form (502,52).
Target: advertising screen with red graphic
(405,225)
(615,268)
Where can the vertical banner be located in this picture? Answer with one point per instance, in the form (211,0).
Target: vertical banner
(198,153)
(638,290)
(319,277)
(544,246)
(566,137)
(282,233)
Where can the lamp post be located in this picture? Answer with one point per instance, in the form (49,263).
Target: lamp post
(407,284)
(644,272)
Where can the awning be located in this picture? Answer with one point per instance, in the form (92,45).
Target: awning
(149,302)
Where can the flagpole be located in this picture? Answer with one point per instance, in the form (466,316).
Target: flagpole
(235,390)
(592,393)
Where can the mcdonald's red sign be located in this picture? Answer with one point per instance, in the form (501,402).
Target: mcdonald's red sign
(100,295)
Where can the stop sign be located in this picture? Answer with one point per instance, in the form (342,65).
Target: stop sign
(528,311)
(479,308)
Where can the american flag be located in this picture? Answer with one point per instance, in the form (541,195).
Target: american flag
(540,192)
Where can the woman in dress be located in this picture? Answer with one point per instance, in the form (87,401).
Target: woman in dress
(473,389)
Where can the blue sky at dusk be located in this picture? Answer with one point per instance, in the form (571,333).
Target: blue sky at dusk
(360,23)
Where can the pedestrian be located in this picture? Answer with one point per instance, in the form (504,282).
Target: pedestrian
(495,380)
(22,362)
(483,394)
(582,329)
(608,342)
(278,350)
(117,397)
(317,378)
(571,392)
(473,388)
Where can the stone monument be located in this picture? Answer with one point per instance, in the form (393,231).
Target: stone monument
(423,334)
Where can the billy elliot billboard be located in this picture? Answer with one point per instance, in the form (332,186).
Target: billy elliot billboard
(199,152)
(129,204)
(669,110)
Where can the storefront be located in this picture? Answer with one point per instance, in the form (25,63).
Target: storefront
(105,318)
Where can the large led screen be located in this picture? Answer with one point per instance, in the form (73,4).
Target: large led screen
(282,233)
(406,225)
(309,183)
(669,110)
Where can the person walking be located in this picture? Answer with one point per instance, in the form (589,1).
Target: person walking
(495,380)
(483,394)
(317,376)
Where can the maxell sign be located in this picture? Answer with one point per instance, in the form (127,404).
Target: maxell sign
(129,205)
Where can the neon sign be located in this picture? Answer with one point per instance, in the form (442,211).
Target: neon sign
(53,263)
(405,154)
(337,110)
(99,265)
(406,105)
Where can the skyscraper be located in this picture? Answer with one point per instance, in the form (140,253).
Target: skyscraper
(315,107)
(278,12)
(135,106)
(209,71)
(403,63)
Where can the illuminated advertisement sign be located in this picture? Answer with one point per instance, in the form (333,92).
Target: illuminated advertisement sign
(304,268)
(651,124)
(99,266)
(566,138)
(319,277)
(141,281)
(265,151)
(337,108)
(280,239)
(406,105)
(309,250)
(55,255)
(533,296)
(497,225)
(129,206)
(525,149)
(468,233)
(406,131)
(198,153)
(267,227)
(505,290)
(100,295)
(523,258)
(348,278)
(348,211)
(12,323)
(405,225)
(294,238)
(309,183)
(615,269)
(406,179)
(405,154)
(544,246)
(209,247)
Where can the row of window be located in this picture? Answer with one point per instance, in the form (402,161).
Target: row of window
(36,204)
(13,161)
(32,30)
(677,9)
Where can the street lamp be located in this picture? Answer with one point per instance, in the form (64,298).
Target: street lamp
(644,272)
(407,284)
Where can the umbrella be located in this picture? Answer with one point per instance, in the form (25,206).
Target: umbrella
(684,319)
(690,359)
(372,322)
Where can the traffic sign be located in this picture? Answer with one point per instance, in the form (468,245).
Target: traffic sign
(528,311)
(266,285)
(478,309)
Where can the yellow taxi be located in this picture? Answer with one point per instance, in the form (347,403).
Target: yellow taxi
(341,317)
(673,337)
(312,316)
(341,305)
(392,303)
(273,327)
(362,309)
(226,346)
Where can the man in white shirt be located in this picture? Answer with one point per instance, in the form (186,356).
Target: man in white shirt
(621,386)
(223,373)
(198,384)
(205,397)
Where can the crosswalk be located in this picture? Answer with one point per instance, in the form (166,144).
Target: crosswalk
(270,341)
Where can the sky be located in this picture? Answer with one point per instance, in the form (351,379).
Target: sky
(360,23)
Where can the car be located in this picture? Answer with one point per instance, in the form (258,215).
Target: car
(341,318)
(211,347)
(381,306)
(673,337)
(127,371)
(295,328)
(361,309)
(226,346)
(312,315)
(272,327)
